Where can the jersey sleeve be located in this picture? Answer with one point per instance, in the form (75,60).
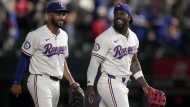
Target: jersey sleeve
(30,44)
(67,51)
(137,44)
(101,47)
(67,47)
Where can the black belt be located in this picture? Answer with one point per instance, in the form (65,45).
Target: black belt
(123,79)
(51,77)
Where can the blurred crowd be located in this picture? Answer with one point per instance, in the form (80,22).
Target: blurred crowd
(162,26)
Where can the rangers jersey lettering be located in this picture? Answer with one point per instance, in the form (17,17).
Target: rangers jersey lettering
(50,50)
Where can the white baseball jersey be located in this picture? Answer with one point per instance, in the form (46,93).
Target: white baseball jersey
(116,51)
(47,51)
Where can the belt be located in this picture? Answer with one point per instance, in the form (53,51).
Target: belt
(125,81)
(51,77)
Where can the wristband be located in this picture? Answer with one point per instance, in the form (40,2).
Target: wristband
(138,74)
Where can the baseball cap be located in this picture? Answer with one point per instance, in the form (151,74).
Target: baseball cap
(125,7)
(56,6)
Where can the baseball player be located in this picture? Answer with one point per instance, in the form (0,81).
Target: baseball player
(116,50)
(46,48)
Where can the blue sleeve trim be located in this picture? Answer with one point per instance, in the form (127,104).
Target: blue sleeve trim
(97,55)
(21,66)
(24,52)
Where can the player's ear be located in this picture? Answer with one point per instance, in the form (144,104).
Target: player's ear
(129,18)
(49,15)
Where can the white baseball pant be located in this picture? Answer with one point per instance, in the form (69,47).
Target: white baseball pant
(44,91)
(113,92)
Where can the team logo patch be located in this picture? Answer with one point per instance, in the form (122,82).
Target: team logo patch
(96,47)
(26,45)
(118,5)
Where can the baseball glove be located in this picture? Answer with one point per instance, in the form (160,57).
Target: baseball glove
(76,95)
(155,98)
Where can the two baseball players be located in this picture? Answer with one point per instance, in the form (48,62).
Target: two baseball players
(116,50)
(46,48)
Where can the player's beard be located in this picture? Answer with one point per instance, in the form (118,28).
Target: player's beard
(56,24)
(121,28)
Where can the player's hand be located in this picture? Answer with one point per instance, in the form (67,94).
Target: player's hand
(145,89)
(16,89)
(90,94)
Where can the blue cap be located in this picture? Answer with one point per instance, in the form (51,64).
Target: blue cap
(56,6)
(125,7)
